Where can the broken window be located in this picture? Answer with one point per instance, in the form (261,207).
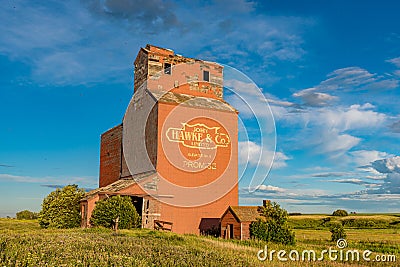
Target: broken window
(167,68)
(206,75)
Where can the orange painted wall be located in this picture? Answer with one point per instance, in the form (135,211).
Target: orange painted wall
(187,219)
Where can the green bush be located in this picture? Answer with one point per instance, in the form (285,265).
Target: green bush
(26,215)
(337,232)
(340,213)
(273,226)
(271,231)
(108,210)
(60,209)
(365,223)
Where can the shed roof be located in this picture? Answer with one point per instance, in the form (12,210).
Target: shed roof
(118,185)
(246,213)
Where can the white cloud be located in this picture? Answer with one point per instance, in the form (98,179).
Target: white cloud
(348,79)
(85,42)
(355,78)
(339,119)
(316,200)
(325,129)
(354,117)
(348,181)
(280,160)
(392,183)
(365,157)
(281,103)
(334,143)
(395,61)
(391,168)
(243,88)
(315,99)
(269,188)
(254,154)
(389,165)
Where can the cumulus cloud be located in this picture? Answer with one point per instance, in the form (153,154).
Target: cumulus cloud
(391,168)
(269,189)
(389,165)
(354,117)
(392,183)
(327,129)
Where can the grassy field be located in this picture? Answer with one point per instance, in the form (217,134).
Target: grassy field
(23,243)
(358,221)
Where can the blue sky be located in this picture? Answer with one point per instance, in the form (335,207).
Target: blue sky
(330,70)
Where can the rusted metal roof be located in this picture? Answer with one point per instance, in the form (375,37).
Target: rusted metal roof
(246,213)
(118,185)
(192,101)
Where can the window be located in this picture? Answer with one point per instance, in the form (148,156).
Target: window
(167,68)
(206,75)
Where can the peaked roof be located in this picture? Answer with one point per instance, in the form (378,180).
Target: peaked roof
(245,213)
(119,184)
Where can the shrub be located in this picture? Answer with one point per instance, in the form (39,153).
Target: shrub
(364,223)
(340,213)
(26,215)
(108,210)
(60,209)
(326,220)
(338,232)
(273,226)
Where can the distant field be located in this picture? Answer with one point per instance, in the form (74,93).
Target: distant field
(23,243)
(357,221)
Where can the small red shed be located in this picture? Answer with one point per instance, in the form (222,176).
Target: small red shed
(235,222)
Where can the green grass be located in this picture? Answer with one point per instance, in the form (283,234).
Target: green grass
(102,247)
(358,221)
(23,243)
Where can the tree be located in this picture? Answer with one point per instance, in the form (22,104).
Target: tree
(108,210)
(26,215)
(273,226)
(340,213)
(60,209)
(337,232)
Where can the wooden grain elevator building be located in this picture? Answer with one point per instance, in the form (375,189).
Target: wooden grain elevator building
(176,151)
